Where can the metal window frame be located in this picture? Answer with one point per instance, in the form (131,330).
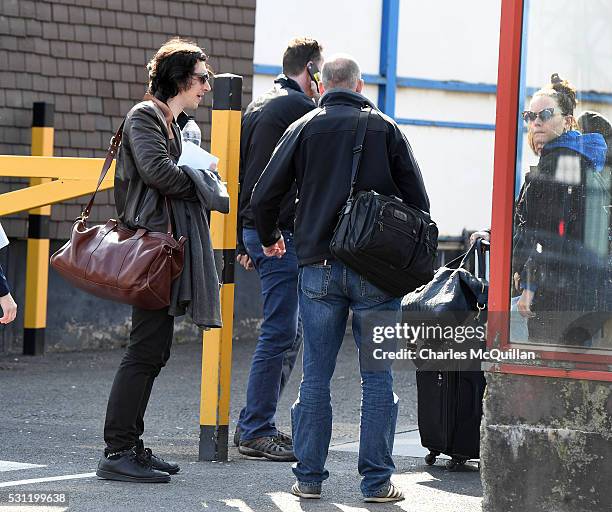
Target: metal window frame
(578,365)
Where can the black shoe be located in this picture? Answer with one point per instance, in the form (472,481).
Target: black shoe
(237,435)
(286,439)
(129,466)
(267,447)
(156,462)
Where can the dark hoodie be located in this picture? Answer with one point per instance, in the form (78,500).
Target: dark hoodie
(591,146)
(562,254)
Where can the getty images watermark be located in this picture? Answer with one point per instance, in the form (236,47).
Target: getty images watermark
(450,341)
(421,334)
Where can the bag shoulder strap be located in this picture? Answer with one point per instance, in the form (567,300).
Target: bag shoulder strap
(115,142)
(362,128)
(111,152)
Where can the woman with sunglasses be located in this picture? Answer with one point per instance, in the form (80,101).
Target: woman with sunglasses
(147,183)
(556,269)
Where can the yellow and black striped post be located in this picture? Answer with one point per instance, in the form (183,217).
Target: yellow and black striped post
(37,265)
(217,343)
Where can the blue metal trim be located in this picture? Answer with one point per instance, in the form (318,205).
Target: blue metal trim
(374,79)
(446,85)
(443,85)
(520,133)
(266,69)
(389,33)
(445,124)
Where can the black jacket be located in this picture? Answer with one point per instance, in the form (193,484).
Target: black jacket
(146,168)
(263,124)
(4,287)
(316,153)
(553,249)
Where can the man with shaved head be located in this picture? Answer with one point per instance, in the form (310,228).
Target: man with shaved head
(316,153)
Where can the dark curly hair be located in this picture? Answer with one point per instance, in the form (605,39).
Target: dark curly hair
(170,70)
(563,92)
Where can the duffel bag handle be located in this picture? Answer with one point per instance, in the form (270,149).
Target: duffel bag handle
(480,247)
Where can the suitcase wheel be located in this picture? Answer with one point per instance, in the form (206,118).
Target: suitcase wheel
(430,458)
(454,464)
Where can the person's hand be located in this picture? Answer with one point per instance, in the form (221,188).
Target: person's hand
(517,281)
(524,304)
(245,261)
(278,249)
(485,235)
(9,308)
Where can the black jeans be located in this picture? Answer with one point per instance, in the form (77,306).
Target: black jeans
(146,354)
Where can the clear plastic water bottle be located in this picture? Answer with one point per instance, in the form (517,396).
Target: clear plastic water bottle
(191,132)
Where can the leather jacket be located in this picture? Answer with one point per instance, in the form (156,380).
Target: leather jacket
(146,171)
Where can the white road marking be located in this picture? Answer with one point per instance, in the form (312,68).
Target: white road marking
(239,504)
(346,508)
(286,502)
(8,465)
(48,479)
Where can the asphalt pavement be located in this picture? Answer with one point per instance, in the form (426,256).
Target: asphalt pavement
(51,419)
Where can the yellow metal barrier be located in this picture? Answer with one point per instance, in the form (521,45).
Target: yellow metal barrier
(52,180)
(217,343)
(73,177)
(37,268)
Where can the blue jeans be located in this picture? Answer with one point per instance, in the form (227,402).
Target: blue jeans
(280,339)
(326,292)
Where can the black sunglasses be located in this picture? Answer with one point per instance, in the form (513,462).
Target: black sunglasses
(544,115)
(202,77)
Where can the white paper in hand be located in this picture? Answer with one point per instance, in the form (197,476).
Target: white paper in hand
(196,157)
(3,238)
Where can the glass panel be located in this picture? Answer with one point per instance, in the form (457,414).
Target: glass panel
(562,250)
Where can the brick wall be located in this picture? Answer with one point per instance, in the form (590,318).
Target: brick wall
(88,58)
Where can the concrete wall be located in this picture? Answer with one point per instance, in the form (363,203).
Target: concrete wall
(546,445)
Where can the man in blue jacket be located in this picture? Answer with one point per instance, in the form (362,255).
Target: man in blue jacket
(316,154)
(263,124)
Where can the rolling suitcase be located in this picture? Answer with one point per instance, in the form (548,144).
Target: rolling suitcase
(449,409)
(450,402)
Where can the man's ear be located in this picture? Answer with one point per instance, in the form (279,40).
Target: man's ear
(321,88)
(360,84)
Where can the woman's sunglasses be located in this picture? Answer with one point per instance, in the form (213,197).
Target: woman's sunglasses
(202,77)
(544,115)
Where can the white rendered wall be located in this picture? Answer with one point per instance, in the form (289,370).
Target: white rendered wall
(457,166)
(445,40)
(347,26)
(435,105)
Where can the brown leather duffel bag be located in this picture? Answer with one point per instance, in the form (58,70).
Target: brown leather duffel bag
(117,263)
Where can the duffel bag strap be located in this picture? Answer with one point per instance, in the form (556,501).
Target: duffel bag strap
(362,128)
(110,155)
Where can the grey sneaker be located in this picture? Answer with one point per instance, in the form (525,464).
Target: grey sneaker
(389,493)
(308,491)
(267,447)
